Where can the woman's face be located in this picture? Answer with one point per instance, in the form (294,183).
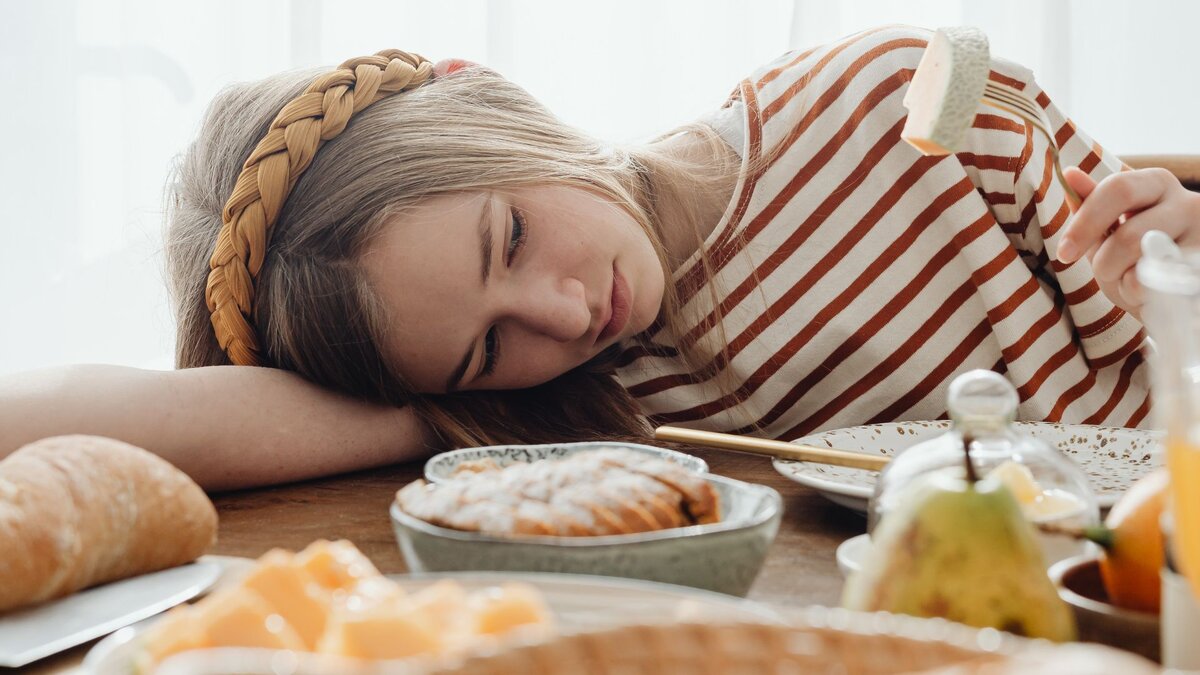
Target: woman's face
(510,288)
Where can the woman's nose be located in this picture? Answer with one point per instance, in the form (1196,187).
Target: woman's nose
(557,309)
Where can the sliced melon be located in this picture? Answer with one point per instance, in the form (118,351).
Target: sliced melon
(292,593)
(445,603)
(331,599)
(175,632)
(382,632)
(511,606)
(945,91)
(1019,480)
(240,617)
(335,564)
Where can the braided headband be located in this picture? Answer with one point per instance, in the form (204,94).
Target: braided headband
(298,131)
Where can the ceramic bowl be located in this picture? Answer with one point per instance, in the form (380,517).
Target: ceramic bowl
(442,466)
(725,556)
(1079,584)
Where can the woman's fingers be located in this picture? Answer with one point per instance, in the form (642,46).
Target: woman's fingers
(1114,259)
(1120,249)
(1131,291)
(1115,195)
(1079,181)
(1110,222)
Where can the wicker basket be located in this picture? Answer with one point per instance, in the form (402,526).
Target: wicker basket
(730,649)
(816,640)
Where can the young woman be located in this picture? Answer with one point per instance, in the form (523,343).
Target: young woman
(424,256)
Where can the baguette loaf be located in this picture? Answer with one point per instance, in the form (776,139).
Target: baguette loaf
(77,511)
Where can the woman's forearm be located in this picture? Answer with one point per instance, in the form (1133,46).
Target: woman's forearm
(227,427)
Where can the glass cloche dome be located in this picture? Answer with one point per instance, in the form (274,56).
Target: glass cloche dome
(983,406)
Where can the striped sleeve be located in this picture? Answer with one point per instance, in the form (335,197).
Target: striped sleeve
(1032,209)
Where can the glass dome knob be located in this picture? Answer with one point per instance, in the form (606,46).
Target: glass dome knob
(982,397)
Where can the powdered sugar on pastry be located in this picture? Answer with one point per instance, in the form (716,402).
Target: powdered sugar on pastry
(599,492)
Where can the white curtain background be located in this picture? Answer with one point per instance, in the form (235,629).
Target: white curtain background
(98,97)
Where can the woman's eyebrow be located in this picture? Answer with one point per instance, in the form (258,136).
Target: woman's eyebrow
(485,239)
(485,254)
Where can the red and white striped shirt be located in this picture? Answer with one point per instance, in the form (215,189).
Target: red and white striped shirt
(857,278)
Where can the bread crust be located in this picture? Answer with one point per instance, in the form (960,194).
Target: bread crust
(77,511)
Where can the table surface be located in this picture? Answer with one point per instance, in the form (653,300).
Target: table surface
(800,569)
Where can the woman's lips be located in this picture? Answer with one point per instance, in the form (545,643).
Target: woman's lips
(619,308)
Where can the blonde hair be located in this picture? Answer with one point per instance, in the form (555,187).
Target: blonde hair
(314,310)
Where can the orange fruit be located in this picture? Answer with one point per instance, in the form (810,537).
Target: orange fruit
(1133,555)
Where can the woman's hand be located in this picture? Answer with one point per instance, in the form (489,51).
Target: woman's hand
(1115,213)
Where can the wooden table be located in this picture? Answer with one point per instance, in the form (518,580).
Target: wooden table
(800,568)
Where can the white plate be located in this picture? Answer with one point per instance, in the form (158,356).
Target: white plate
(36,632)
(579,603)
(1112,457)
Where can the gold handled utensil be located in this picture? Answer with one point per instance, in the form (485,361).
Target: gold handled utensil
(770,448)
(1017,102)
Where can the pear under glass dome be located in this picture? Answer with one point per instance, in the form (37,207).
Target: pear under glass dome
(983,406)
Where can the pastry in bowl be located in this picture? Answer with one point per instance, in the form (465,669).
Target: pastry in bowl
(589,512)
(595,493)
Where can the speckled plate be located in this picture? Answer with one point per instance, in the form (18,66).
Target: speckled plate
(1112,457)
(442,466)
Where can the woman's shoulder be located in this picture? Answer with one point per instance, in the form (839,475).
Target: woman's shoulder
(888,49)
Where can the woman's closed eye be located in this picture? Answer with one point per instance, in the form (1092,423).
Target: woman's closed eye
(516,241)
(516,236)
(491,352)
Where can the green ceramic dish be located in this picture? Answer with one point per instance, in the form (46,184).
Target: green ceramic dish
(723,557)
